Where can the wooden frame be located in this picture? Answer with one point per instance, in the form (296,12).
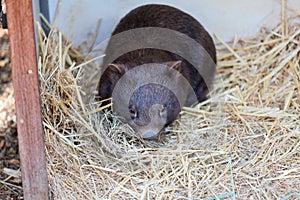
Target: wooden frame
(26,88)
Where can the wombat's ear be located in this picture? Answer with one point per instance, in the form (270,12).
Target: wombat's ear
(175,65)
(117,68)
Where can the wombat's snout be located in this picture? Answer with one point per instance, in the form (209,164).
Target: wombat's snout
(149,134)
(158,119)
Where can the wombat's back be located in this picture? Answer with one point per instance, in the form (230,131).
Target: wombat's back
(161,16)
(164,16)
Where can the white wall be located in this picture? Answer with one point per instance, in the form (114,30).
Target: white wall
(227,18)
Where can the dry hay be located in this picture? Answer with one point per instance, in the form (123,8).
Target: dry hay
(254,154)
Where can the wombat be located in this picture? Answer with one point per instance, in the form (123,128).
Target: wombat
(153,105)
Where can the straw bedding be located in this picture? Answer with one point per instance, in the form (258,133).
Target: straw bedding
(243,143)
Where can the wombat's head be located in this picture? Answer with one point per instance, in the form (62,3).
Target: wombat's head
(152,107)
(149,96)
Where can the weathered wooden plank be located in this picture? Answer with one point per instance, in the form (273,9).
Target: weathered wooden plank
(26,87)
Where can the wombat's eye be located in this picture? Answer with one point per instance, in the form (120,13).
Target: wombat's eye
(133,112)
(163,108)
(163,111)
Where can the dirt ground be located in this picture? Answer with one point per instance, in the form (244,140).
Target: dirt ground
(10,181)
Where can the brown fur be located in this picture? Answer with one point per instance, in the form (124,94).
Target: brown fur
(164,17)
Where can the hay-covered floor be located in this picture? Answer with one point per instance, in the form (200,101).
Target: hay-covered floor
(244,143)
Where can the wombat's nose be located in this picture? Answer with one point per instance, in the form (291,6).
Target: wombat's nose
(149,134)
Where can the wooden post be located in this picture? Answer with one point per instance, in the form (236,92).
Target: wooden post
(26,88)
